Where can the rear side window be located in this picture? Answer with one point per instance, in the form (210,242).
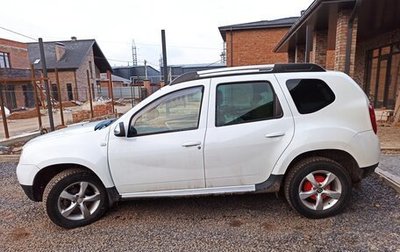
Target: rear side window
(310,95)
(245,102)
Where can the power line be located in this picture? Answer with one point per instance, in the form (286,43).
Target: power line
(158,45)
(20,34)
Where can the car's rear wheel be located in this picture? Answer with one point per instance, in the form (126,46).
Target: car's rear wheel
(318,187)
(75,198)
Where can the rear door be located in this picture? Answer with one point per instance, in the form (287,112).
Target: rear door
(249,126)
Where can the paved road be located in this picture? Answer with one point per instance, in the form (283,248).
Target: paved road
(391,163)
(230,223)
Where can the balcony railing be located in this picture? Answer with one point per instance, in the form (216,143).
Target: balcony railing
(15,75)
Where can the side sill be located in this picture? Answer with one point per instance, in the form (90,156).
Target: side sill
(272,184)
(192,192)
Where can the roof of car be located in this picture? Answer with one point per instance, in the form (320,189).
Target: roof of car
(254,69)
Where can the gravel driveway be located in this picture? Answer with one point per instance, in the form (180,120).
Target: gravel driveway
(230,223)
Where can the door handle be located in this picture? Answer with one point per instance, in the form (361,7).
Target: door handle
(274,135)
(191,144)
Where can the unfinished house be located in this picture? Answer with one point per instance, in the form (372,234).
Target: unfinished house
(15,75)
(75,64)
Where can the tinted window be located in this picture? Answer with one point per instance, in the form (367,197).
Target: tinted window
(176,111)
(244,102)
(310,95)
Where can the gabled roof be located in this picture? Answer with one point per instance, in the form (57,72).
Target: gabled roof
(75,53)
(264,24)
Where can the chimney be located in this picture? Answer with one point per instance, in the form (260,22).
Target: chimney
(60,50)
(73,38)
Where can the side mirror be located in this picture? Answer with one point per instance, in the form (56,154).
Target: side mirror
(119,130)
(132,132)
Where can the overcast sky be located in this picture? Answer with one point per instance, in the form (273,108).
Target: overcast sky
(191,26)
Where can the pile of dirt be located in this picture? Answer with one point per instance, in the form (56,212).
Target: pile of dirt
(30,113)
(67,104)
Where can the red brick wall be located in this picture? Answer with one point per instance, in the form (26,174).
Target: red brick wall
(98,111)
(254,47)
(81,77)
(330,59)
(341,41)
(64,77)
(320,45)
(18,53)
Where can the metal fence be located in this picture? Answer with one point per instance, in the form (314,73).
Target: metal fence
(129,92)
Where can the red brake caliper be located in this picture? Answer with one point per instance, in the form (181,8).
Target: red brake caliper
(307,186)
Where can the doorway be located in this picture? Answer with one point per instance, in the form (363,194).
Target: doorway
(28,92)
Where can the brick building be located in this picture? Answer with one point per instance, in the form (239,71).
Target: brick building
(15,75)
(78,63)
(253,43)
(359,37)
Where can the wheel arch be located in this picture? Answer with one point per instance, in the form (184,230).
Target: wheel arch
(44,176)
(339,156)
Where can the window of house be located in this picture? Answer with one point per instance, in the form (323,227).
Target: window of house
(310,95)
(176,111)
(245,102)
(70,92)
(4,60)
(54,91)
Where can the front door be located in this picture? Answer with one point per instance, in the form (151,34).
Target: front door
(166,151)
(248,129)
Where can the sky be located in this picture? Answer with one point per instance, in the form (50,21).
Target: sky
(191,27)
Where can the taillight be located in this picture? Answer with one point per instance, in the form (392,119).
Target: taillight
(373,118)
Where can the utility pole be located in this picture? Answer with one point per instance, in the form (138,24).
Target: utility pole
(164,57)
(46,84)
(145,70)
(134,54)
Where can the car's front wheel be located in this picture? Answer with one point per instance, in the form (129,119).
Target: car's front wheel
(75,198)
(318,187)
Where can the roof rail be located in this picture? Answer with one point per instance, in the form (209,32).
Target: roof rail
(256,69)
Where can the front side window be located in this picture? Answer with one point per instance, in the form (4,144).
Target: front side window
(176,111)
(310,95)
(245,102)
(4,60)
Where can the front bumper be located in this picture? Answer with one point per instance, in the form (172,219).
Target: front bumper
(29,192)
(26,173)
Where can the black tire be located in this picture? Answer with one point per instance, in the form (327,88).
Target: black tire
(86,205)
(318,200)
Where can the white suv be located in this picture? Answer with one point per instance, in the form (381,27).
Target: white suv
(294,128)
